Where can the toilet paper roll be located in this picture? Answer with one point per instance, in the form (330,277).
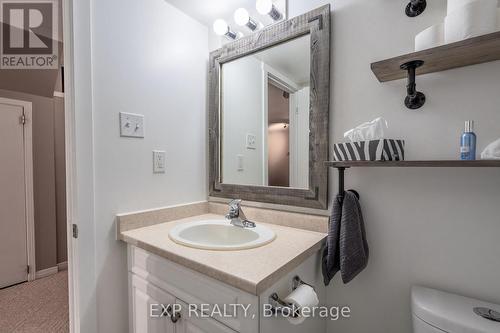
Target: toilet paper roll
(431,37)
(303,296)
(455,4)
(476,18)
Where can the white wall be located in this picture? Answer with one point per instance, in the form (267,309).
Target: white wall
(148,58)
(435,227)
(242,114)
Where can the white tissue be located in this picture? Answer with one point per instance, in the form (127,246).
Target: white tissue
(373,130)
(478,17)
(431,37)
(492,151)
(303,296)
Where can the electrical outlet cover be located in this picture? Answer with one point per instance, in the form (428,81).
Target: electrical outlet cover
(240,162)
(159,161)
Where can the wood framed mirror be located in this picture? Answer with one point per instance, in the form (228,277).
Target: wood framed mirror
(269,114)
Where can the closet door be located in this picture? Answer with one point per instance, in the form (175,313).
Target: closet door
(13,220)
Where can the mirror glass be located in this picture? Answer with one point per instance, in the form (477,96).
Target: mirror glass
(265,117)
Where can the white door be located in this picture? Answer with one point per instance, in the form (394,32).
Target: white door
(13,219)
(192,323)
(146,300)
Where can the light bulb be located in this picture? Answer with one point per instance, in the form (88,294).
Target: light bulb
(264,7)
(241,16)
(220,27)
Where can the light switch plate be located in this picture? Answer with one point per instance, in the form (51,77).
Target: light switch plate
(251,141)
(159,161)
(131,125)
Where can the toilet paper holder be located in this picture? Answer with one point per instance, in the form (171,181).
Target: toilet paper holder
(280,306)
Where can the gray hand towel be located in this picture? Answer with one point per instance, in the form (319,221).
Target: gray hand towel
(347,248)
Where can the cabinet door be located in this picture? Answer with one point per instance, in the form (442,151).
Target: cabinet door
(195,324)
(146,307)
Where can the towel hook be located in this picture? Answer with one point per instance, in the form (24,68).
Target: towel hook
(342,182)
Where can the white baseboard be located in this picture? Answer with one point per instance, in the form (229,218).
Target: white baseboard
(51,270)
(46,272)
(63,266)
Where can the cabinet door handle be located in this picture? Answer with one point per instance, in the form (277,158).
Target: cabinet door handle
(175,317)
(167,311)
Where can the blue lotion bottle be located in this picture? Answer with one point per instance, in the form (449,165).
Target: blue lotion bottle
(468,142)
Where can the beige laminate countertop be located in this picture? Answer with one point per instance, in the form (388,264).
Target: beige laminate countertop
(252,270)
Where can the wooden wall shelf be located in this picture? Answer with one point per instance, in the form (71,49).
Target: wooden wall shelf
(418,164)
(471,51)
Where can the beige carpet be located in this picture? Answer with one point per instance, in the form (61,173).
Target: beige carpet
(38,306)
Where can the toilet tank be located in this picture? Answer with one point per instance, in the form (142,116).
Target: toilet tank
(434,311)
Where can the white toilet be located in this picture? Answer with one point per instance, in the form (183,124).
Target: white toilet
(437,312)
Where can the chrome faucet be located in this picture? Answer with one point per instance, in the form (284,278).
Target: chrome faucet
(237,216)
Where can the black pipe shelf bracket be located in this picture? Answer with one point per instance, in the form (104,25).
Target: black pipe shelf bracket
(414,99)
(341,180)
(415,7)
(341,171)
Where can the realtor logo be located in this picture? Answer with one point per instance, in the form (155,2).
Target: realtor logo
(29,34)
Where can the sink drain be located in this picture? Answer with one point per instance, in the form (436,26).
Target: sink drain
(488,314)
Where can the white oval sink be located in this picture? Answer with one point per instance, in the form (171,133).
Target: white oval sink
(220,235)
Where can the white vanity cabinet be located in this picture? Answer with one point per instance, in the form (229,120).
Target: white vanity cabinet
(154,280)
(144,294)
(192,324)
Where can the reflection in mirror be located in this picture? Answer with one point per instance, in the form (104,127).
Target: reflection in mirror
(265,117)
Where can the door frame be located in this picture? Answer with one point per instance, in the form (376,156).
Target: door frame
(281,81)
(28,181)
(70,161)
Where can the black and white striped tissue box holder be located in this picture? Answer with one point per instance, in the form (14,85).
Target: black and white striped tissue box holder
(373,150)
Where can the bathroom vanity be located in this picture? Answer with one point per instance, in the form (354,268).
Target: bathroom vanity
(178,288)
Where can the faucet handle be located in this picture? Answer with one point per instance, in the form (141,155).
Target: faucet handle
(235,204)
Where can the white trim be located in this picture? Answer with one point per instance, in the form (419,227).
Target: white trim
(52,270)
(28,179)
(46,272)
(58,94)
(71,212)
(293,139)
(30,205)
(265,125)
(62,266)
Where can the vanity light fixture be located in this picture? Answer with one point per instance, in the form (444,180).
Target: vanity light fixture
(242,18)
(221,28)
(266,7)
